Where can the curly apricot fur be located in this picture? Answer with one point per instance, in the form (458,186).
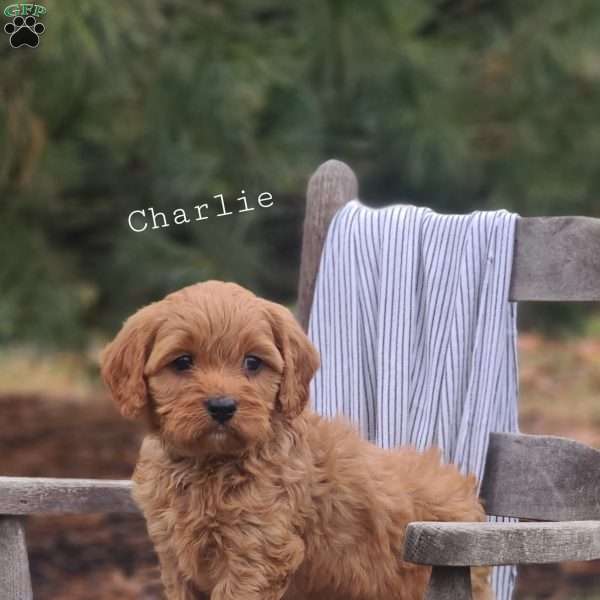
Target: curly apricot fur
(276,502)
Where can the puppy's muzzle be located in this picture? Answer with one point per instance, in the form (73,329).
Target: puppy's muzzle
(221,408)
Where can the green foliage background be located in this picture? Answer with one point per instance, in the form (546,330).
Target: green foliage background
(455,104)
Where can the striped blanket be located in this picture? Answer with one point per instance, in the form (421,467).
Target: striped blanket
(416,333)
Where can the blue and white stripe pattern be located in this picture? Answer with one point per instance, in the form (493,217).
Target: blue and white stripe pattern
(416,333)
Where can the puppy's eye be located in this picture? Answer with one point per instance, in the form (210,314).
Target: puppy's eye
(183,363)
(252,363)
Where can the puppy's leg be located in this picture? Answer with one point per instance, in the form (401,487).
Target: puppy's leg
(228,590)
(261,573)
(176,586)
(480,582)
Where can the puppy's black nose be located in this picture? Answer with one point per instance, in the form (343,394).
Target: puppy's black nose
(221,408)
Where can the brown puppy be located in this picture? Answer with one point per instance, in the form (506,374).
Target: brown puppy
(248,495)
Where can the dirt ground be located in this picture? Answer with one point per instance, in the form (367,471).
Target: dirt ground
(106,557)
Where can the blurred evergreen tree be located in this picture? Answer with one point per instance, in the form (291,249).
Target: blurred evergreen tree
(455,104)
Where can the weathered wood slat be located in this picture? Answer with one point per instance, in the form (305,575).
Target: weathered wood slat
(557,259)
(25,495)
(15,581)
(449,583)
(332,185)
(543,478)
(462,544)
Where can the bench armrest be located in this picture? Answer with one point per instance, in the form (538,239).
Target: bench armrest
(475,544)
(26,495)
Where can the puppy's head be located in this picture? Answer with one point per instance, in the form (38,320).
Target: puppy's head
(211,365)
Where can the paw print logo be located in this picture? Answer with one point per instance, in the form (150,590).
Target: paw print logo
(24,32)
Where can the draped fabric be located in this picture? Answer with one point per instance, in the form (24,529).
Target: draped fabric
(416,333)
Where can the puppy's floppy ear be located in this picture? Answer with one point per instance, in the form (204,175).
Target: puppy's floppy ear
(300,357)
(124,359)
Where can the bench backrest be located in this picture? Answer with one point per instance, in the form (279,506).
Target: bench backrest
(555,259)
(542,478)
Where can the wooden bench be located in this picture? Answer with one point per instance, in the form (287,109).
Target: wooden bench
(534,477)
(22,496)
